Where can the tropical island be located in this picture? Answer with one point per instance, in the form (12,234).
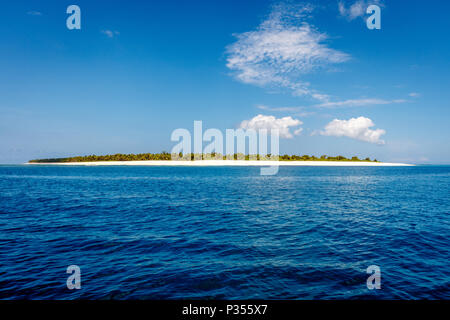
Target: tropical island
(165,156)
(210,159)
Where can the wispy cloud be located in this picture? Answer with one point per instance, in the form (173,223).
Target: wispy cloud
(303,111)
(355,128)
(358,103)
(110,33)
(280,109)
(414,94)
(357,9)
(297,111)
(270,122)
(281,50)
(285,47)
(34,13)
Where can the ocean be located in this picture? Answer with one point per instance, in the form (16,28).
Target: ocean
(224,232)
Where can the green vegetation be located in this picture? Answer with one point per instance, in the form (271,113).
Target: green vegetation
(213,156)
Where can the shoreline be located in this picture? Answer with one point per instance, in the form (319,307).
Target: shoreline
(218,163)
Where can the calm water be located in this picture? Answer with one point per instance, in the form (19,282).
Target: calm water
(224,232)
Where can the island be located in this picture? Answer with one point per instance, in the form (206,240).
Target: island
(213,159)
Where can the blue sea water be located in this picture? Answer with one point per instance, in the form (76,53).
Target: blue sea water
(224,232)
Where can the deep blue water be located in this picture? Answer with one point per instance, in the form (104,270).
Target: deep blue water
(224,232)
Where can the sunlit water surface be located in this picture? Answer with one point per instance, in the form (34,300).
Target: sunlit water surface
(224,232)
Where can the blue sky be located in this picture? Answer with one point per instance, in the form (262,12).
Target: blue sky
(138,70)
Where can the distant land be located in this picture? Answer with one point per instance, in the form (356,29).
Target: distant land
(166,159)
(164,156)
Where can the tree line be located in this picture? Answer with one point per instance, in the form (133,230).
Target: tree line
(191,156)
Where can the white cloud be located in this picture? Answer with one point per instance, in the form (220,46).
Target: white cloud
(304,114)
(281,109)
(270,122)
(357,9)
(34,13)
(298,111)
(298,131)
(110,33)
(303,110)
(414,94)
(358,103)
(281,50)
(321,97)
(355,128)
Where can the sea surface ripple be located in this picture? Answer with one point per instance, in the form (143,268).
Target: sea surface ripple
(224,232)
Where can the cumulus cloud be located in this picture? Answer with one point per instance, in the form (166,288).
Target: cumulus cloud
(270,122)
(281,50)
(358,103)
(110,33)
(357,9)
(355,128)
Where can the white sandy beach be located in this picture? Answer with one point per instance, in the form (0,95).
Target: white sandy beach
(241,163)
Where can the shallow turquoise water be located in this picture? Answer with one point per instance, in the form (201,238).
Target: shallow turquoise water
(224,232)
